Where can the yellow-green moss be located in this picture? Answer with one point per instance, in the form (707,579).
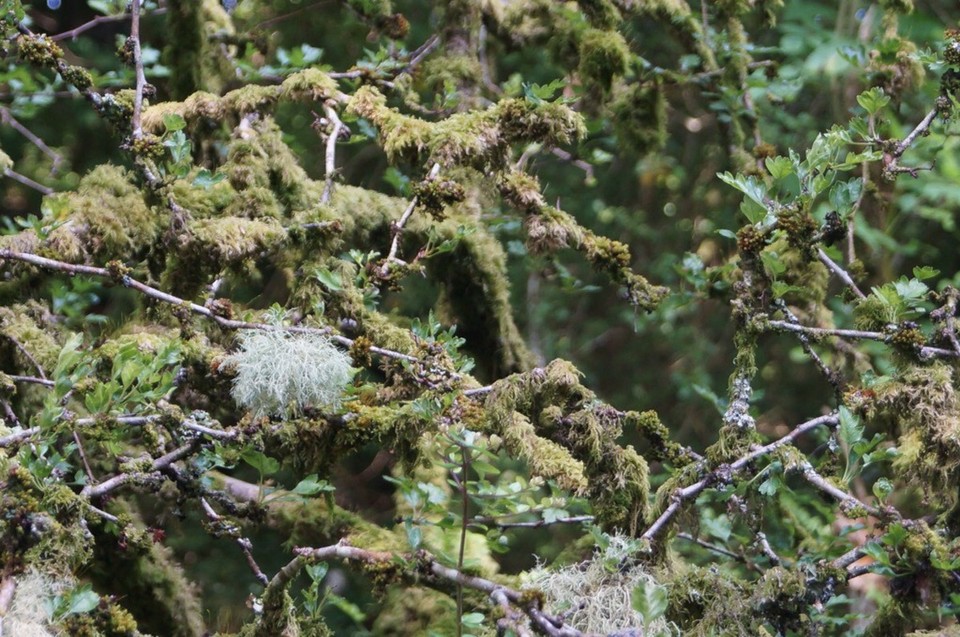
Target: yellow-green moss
(108,216)
(604,55)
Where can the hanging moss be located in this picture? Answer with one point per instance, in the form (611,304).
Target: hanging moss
(549,419)
(604,55)
(922,405)
(639,116)
(194,59)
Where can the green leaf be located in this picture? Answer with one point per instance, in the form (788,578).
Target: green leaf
(472,620)
(850,431)
(173,122)
(330,280)
(770,486)
(779,167)
(414,535)
(873,100)
(882,488)
(650,600)
(205,179)
(261,462)
(81,600)
(925,272)
(311,485)
(750,186)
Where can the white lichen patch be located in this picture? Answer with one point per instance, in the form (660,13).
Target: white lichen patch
(595,596)
(29,613)
(280,374)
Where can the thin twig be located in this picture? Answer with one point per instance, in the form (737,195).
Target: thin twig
(7,118)
(26,181)
(840,272)
(31,379)
(244,543)
(814,478)
(398,226)
(331,154)
(98,20)
(534,524)
(138,65)
(711,547)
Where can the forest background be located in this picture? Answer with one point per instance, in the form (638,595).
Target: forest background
(628,317)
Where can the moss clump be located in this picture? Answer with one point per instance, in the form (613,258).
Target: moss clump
(604,55)
(29,326)
(799,227)
(434,195)
(78,76)
(556,424)
(232,239)
(602,14)
(109,217)
(639,116)
(39,50)
(480,138)
(923,406)
(416,610)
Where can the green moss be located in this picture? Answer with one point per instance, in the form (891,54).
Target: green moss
(39,50)
(922,405)
(231,239)
(415,610)
(30,327)
(108,217)
(639,116)
(477,138)
(554,423)
(191,54)
(604,55)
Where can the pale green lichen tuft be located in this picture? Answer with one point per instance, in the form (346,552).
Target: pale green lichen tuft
(281,374)
(595,596)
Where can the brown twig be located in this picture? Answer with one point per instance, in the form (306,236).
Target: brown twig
(840,272)
(7,118)
(98,20)
(424,562)
(244,543)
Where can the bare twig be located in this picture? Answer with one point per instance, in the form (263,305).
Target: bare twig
(31,379)
(331,154)
(814,478)
(534,524)
(26,181)
(711,547)
(925,352)
(840,272)
(398,226)
(7,118)
(96,21)
(137,129)
(244,543)
(117,481)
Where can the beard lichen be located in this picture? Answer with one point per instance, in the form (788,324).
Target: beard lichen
(281,374)
(595,596)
